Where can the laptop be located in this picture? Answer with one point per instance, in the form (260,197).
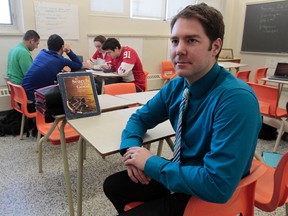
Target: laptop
(281,72)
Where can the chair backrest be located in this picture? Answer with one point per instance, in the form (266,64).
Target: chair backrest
(241,202)
(260,73)
(146,80)
(19,99)
(268,97)
(244,75)
(167,71)
(278,187)
(119,88)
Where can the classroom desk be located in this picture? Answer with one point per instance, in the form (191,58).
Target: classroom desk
(280,83)
(139,97)
(94,131)
(107,103)
(235,60)
(229,65)
(103,76)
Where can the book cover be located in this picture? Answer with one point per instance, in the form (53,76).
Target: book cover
(79,94)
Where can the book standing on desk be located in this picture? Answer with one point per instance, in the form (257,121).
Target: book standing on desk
(79,94)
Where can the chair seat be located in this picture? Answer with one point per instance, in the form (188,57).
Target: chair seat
(70,134)
(271,189)
(280,112)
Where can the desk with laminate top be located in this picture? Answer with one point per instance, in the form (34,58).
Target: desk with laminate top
(104,131)
(107,103)
(139,97)
(229,65)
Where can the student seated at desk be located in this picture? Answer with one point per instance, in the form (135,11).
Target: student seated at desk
(126,63)
(20,58)
(100,59)
(47,64)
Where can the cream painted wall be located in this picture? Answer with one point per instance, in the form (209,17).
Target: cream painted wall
(154,35)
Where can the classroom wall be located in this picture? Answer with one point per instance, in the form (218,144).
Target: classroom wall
(234,18)
(151,37)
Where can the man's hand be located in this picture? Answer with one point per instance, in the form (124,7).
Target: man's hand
(66,48)
(66,69)
(137,175)
(137,156)
(104,66)
(87,65)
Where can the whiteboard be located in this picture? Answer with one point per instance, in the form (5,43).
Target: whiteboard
(56,18)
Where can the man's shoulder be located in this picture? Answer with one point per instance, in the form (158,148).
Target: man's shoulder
(20,48)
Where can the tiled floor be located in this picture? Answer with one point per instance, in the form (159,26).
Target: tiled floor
(25,192)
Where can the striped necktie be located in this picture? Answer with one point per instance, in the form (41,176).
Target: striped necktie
(182,108)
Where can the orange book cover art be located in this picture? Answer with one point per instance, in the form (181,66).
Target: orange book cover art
(79,94)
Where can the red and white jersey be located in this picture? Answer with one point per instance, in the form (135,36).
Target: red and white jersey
(129,66)
(100,58)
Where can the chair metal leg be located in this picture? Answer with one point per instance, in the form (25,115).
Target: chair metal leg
(81,153)
(84,149)
(66,167)
(280,133)
(148,146)
(39,147)
(160,147)
(170,143)
(37,141)
(22,126)
(258,157)
(44,138)
(286,208)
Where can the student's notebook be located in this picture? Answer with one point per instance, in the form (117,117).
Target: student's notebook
(281,72)
(79,94)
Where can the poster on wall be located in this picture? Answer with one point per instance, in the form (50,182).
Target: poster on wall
(57,18)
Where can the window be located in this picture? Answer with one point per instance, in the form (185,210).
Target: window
(5,12)
(10,15)
(111,7)
(175,6)
(156,9)
(146,9)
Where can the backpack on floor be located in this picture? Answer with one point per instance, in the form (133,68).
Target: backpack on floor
(11,123)
(267,132)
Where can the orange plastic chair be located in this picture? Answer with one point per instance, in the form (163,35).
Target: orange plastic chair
(119,88)
(51,133)
(268,97)
(244,75)
(168,72)
(241,202)
(260,73)
(271,189)
(19,103)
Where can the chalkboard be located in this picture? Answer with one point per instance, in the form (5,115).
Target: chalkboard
(266,28)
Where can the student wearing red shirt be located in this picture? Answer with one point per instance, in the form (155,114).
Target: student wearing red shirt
(126,62)
(100,59)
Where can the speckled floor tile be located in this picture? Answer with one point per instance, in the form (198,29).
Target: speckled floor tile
(25,192)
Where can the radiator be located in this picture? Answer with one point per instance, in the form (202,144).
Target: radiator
(155,81)
(4,99)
